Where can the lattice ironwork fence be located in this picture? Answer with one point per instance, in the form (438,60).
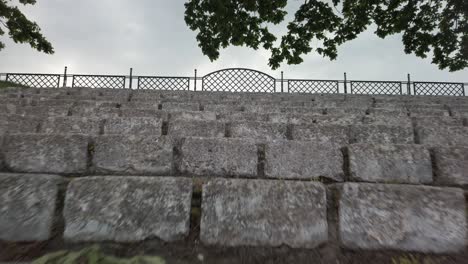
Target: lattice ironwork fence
(239,80)
(164,83)
(313,86)
(376,87)
(34,80)
(99,81)
(439,88)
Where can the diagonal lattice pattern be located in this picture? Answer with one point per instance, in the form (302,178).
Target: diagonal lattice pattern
(163,83)
(35,80)
(99,81)
(376,87)
(439,88)
(239,80)
(313,86)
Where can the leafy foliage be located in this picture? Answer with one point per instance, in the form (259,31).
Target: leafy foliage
(93,255)
(427,26)
(20,28)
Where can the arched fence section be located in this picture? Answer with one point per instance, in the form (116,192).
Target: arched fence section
(237,80)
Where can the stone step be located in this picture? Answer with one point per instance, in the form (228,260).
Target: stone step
(402,217)
(127,209)
(27,206)
(263,213)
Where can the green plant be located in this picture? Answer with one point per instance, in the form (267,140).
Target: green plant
(93,255)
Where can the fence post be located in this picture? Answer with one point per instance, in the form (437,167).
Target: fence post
(281,81)
(409,84)
(345,84)
(131,78)
(65,77)
(195,81)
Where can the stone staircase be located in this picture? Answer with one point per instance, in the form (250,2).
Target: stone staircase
(300,171)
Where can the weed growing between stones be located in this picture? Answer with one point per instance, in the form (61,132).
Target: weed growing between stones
(93,255)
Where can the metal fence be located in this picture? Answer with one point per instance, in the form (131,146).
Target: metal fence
(237,80)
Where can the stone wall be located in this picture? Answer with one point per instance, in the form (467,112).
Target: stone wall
(365,172)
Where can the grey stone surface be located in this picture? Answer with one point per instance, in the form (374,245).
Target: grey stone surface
(442,135)
(58,154)
(402,217)
(218,157)
(127,209)
(382,134)
(451,165)
(193,115)
(264,213)
(19,124)
(196,128)
(44,111)
(243,116)
(91,109)
(144,112)
(27,206)
(223,108)
(261,131)
(151,126)
(428,112)
(71,125)
(133,155)
(322,133)
(390,163)
(303,160)
(436,121)
(176,106)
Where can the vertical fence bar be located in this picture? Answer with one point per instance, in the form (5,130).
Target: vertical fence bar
(131,78)
(409,84)
(195,82)
(6,78)
(345,84)
(65,77)
(282,81)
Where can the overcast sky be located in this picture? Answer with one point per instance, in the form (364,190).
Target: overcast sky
(110,36)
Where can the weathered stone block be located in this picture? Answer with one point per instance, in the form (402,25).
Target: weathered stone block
(386,120)
(27,206)
(127,209)
(223,108)
(91,109)
(196,128)
(44,111)
(442,135)
(244,116)
(260,131)
(175,106)
(451,165)
(402,217)
(19,124)
(382,134)
(133,155)
(428,112)
(263,213)
(71,125)
(144,112)
(218,157)
(436,121)
(61,154)
(329,134)
(303,160)
(191,115)
(390,163)
(134,126)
